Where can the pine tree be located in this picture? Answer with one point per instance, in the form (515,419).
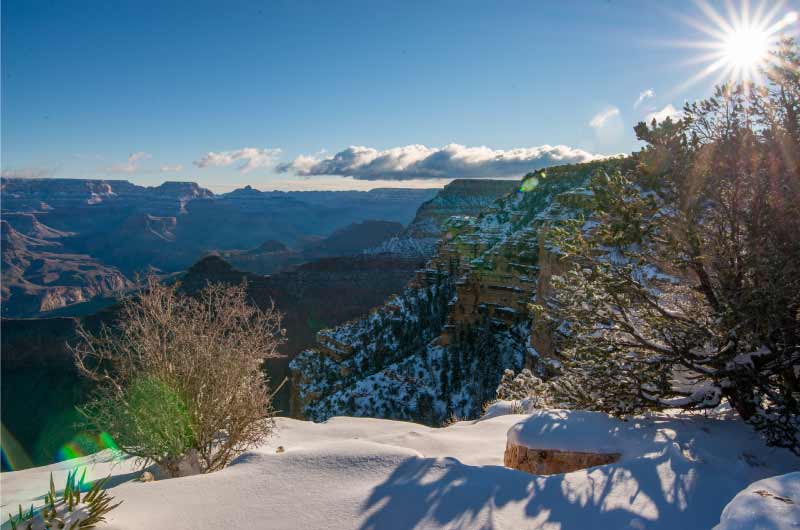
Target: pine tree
(686,288)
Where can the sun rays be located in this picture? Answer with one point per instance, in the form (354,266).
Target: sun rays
(737,43)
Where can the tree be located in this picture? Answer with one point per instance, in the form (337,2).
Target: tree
(521,386)
(686,289)
(179,379)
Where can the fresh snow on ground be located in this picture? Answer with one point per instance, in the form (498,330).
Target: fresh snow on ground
(769,504)
(676,471)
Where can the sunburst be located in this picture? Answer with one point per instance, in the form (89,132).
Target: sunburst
(738,43)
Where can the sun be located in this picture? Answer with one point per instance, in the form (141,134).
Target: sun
(746,48)
(738,43)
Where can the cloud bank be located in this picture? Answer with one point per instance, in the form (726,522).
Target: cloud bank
(667,112)
(246,159)
(422,162)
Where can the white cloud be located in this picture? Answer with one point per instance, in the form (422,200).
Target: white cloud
(248,158)
(171,168)
(27,173)
(131,165)
(667,112)
(302,165)
(646,94)
(337,183)
(422,162)
(601,118)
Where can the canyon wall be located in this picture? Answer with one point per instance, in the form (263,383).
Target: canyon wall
(471,306)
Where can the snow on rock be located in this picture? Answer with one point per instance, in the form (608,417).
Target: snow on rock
(580,431)
(769,504)
(368,474)
(670,466)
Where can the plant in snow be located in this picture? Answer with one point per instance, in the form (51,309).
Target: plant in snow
(179,380)
(686,290)
(74,510)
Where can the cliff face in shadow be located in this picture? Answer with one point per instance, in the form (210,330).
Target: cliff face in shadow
(40,387)
(37,364)
(312,296)
(272,256)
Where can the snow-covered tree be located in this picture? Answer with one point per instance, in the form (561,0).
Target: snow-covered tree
(517,387)
(684,288)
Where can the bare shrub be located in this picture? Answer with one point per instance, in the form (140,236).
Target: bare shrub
(179,379)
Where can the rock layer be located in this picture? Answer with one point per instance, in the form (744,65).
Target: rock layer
(552,461)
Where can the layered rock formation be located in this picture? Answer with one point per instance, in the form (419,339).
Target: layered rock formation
(93,236)
(552,461)
(460,197)
(38,276)
(440,348)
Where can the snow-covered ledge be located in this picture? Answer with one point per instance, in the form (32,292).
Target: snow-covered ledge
(543,445)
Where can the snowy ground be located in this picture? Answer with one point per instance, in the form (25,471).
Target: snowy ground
(359,473)
(772,503)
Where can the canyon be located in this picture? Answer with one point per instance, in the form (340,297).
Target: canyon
(320,282)
(67,242)
(437,350)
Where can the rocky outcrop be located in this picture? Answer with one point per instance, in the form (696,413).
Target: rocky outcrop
(38,276)
(462,197)
(551,264)
(490,268)
(503,261)
(552,461)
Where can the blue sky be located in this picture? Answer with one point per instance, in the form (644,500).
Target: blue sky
(262,93)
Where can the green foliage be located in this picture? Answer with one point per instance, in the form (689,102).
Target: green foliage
(684,288)
(72,510)
(148,416)
(179,378)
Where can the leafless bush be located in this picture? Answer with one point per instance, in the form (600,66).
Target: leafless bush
(179,378)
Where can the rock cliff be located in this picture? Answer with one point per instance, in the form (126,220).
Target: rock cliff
(460,197)
(438,350)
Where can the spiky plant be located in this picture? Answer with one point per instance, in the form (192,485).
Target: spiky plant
(72,510)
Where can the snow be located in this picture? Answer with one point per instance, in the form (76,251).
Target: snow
(769,504)
(362,473)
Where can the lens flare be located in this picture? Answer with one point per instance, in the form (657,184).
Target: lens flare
(738,43)
(531,181)
(85,444)
(12,453)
